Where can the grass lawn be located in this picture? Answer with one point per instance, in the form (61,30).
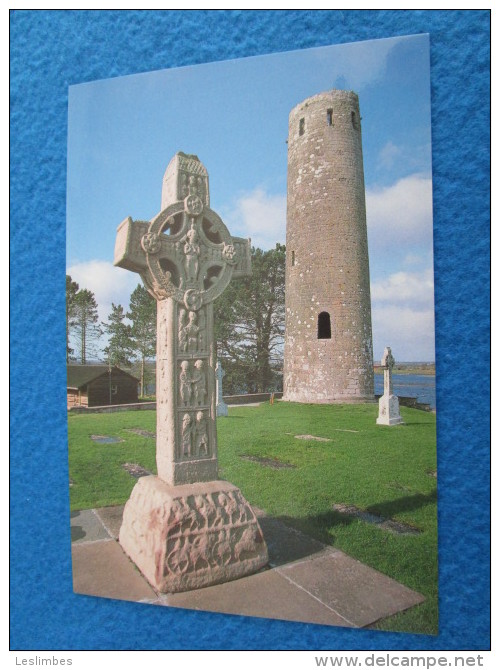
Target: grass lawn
(384,470)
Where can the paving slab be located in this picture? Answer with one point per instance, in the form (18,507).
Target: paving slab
(102,569)
(111,519)
(306,580)
(266,594)
(355,591)
(86,527)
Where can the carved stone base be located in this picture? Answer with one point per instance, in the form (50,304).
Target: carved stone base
(190,536)
(388,411)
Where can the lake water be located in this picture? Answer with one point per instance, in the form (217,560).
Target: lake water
(421,387)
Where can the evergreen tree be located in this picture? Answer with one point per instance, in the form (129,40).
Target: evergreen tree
(142,314)
(250,323)
(86,324)
(119,349)
(71,292)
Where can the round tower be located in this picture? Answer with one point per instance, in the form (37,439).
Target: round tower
(328,331)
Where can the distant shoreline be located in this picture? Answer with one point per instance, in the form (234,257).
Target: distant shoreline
(409,369)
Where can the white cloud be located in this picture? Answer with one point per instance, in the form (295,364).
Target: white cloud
(408,157)
(403,315)
(260,216)
(399,217)
(388,155)
(357,64)
(412,289)
(109,284)
(414,259)
(408,331)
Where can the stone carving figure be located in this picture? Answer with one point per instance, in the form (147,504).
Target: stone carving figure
(188,333)
(191,253)
(228,505)
(201,437)
(199,383)
(240,507)
(204,508)
(246,544)
(222,551)
(187,430)
(178,559)
(183,342)
(387,363)
(185,383)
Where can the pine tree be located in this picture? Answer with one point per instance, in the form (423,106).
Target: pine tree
(86,324)
(250,322)
(142,314)
(71,292)
(119,350)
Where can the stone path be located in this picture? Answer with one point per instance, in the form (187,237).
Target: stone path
(306,580)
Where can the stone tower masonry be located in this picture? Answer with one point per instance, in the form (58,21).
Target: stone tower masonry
(328,333)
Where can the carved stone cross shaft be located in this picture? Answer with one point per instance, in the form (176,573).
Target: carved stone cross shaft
(186,258)
(387,363)
(221,406)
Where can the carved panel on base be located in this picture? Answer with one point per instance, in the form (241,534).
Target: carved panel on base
(188,537)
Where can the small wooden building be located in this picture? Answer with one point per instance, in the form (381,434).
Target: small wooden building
(94,385)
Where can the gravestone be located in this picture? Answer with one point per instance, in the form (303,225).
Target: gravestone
(222,409)
(388,404)
(185,528)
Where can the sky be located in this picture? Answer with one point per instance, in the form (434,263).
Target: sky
(233,115)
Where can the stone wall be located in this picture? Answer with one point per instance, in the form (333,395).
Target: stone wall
(243,399)
(106,409)
(328,335)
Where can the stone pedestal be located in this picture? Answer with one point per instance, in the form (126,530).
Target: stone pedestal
(388,411)
(188,537)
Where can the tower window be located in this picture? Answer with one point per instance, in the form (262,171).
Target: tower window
(302,125)
(324,326)
(354,120)
(329,117)
(293,257)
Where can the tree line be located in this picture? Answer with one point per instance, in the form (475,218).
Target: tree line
(249,321)
(127,342)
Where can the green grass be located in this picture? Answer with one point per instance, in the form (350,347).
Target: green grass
(384,470)
(96,469)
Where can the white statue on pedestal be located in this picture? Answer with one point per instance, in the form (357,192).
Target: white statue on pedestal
(388,405)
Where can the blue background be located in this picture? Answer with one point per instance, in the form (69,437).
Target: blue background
(51,50)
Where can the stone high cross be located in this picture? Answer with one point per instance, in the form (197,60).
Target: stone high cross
(388,404)
(186,258)
(186,529)
(387,363)
(222,409)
